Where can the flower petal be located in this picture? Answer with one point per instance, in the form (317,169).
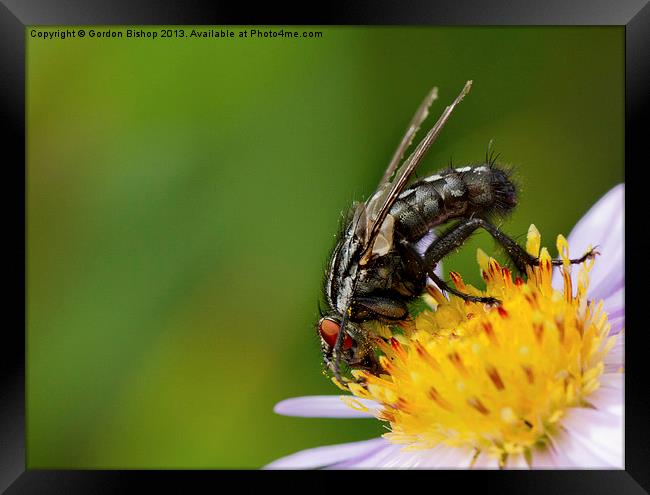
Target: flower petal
(446,457)
(516,462)
(551,457)
(421,247)
(374,458)
(604,219)
(423,244)
(602,226)
(324,406)
(594,438)
(394,456)
(617,325)
(591,437)
(484,461)
(614,304)
(324,456)
(615,358)
(609,397)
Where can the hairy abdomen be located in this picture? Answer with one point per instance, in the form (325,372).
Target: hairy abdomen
(451,194)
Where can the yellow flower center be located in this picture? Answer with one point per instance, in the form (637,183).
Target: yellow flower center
(497,379)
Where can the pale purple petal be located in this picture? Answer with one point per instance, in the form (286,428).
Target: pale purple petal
(551,457)
(611,293)
(423,244)
(516,462)
(614,304)
(617,325)
(594,438)
(412,459)
(615,358)
(388,456)
(601,226)
(325,456)
(567,452)
(614,381)
(543,459)
(395,456)
(609,397)
(382,454)
(446,457)
(324,406)
(590,438)
(421,247)
(485,461)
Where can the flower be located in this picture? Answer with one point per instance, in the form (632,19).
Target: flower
(534,383)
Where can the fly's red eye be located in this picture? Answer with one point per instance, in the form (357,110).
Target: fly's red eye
(329,331)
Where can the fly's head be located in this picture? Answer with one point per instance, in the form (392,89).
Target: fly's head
(357,349)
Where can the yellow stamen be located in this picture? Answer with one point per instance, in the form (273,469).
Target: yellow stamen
(496,379)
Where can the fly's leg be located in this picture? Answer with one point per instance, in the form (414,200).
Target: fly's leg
(458,234)
(466,297)
(519,255)
(337,351)
(445,244)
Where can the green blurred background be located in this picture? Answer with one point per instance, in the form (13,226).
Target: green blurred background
(183,194)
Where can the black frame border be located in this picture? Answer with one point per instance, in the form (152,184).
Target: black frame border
(15,15)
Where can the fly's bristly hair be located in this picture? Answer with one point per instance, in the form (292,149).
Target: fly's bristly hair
(491,156)
(505,185)
(345,219)
(321,313)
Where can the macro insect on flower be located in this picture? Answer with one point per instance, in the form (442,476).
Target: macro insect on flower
(510,376)
(535,382)
(379,264)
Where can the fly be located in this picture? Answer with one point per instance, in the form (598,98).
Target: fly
(379,264)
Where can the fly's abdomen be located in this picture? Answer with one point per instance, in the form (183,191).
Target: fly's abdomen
(453,193)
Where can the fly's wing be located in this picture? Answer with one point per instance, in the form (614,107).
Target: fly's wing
(374,204)
(414,126)
(378,206)
(384,240)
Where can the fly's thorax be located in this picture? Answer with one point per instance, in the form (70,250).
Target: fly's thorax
(378,274)
(342,271)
